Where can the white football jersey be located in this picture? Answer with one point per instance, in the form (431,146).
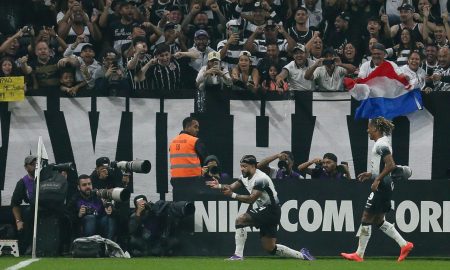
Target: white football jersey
(262,182)
(381,148)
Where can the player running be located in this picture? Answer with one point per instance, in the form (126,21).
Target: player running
(379,200)
(266,216)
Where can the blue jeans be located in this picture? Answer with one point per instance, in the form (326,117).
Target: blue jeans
(103,225)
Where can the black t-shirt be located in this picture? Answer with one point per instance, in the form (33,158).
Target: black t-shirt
(19,194)
(120,33)
(46,74)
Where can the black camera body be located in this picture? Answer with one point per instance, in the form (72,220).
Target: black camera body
(283,165)
(60,167)
(213,170)
(328,61)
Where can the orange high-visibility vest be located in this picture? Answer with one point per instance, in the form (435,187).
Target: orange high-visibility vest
(184,161)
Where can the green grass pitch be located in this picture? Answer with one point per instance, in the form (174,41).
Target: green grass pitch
(198,263)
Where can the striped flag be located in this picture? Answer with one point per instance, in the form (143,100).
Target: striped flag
(383,93)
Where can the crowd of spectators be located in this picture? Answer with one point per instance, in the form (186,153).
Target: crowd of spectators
(139,47)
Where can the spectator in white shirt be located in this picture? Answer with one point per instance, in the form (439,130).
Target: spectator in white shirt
(328,72)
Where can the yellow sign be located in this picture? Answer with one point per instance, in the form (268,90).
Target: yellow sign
(12,88)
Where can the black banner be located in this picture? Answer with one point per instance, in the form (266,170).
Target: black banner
(324,216)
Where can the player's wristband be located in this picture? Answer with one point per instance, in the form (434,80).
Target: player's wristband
(233,195)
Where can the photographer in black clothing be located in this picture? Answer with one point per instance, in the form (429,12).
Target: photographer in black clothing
(24,215)
(154,227)
(106,177)
(326,168)
(285,166)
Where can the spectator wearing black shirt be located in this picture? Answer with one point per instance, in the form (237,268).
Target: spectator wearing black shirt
(326,168)
(407,21)
(300,32)
(271,58)
(377,28)
(135,64)
(121,29)
(341,35)
(43,69)
(165,70)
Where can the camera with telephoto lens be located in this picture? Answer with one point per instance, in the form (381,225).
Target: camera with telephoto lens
(115,194)
(60,167)
(136,166)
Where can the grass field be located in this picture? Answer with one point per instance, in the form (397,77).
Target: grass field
(257,263)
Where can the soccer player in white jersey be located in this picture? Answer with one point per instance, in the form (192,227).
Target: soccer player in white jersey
(379,201)
(266,216)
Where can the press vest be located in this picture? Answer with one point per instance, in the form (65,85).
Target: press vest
(184,161)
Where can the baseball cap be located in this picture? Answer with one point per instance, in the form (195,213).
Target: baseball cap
(87,46)
(139,197)
(258,6)
(213,56)
(210,158)
(169,26)
(102,161)
(249,159)
(328,50)
(246,53)
(379,46)
(201,32)
(270,23)
(344,16)
(331,156)
(406,6)
(300,47)
(233,23)
(29,159)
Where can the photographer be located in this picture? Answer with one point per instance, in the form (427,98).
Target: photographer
(106,177)
(90,213)
(285,164)
(139,228)
(326,168)
(24,192)
(155,227)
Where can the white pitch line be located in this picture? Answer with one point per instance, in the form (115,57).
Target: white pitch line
(22,264)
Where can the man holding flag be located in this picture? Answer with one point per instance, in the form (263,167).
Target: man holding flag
(382,88)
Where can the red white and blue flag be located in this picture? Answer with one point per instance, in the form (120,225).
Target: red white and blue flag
(383,93)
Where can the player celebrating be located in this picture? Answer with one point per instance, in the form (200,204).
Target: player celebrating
(266,216)
(379,200)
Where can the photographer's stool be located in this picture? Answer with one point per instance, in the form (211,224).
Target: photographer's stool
(12,244)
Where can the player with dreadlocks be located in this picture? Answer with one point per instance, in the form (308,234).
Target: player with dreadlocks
(379,201)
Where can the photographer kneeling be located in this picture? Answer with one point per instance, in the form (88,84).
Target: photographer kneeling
(90,213)
(155,227)
(285,165)
(326,168)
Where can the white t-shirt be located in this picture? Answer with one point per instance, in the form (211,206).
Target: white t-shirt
(325,82)
(381,148)
(416,78)
(367,67)
(296,77)
(262,182)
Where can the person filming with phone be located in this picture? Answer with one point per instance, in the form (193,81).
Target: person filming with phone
(213,73)
(326,168)
(328,72)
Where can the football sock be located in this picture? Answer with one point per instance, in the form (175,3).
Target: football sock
(389,230)
(240,237)
(284,251)
(366,231)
